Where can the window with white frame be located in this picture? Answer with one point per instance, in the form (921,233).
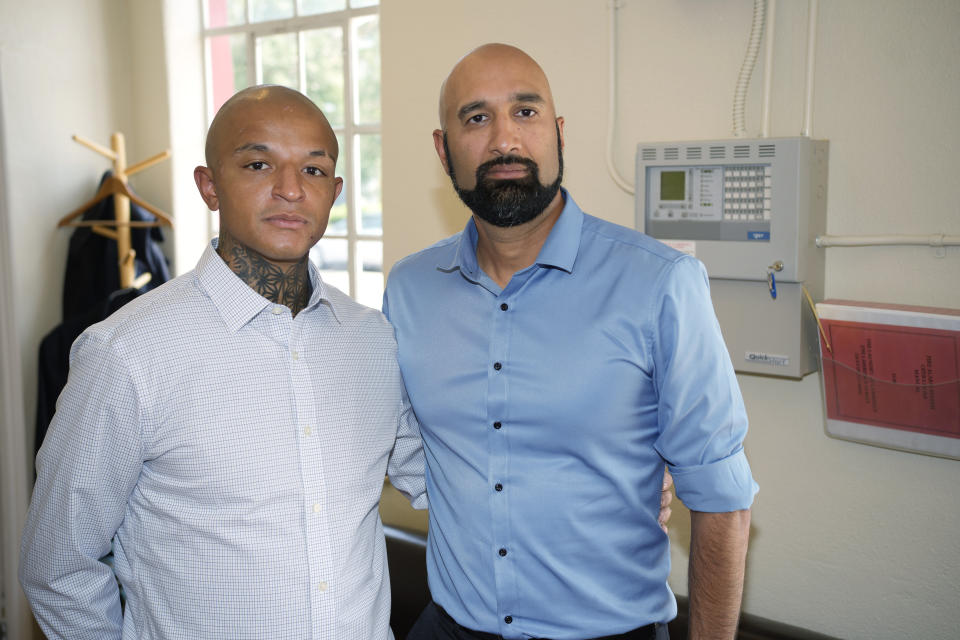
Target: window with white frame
(330,51)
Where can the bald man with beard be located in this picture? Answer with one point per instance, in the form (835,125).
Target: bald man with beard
(229,432)
(557,363)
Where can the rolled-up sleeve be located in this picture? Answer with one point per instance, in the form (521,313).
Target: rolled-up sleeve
(701,416)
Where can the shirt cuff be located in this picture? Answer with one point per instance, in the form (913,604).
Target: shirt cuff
(721,486)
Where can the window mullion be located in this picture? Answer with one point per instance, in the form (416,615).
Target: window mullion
(352,176)
(298,23)
(301,65)
(254,72)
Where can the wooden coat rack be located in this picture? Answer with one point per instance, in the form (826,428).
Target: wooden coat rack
(118,229)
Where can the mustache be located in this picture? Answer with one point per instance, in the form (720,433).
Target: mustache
(489,165)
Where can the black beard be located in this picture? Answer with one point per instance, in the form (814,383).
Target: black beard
(507,203)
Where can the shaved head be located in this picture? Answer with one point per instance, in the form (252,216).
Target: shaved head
(273,99)
(500,139)
(271,173)
(484,62)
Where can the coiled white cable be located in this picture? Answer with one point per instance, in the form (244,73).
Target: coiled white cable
(746,69)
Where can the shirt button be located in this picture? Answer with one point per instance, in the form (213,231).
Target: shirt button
(498,487)
(508,619)
(323,586)
(294,355)
(277,310)
(502,552)
(307,431)
(497,425)
(497,366)
(504,306)
(316,508)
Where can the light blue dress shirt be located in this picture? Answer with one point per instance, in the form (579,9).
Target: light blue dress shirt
(236,455)
(548,410)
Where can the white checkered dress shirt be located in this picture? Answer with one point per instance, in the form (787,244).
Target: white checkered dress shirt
(236,455)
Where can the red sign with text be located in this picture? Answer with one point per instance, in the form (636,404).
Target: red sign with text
(898,377)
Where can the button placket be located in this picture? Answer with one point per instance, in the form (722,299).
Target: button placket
(499,374)
(305,418)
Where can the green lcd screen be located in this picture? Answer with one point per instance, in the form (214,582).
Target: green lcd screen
(673,185)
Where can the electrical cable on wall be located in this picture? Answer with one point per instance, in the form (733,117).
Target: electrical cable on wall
(743,82)
(770,29)
(813,7)
(746,69)
(614,6)
(936,240)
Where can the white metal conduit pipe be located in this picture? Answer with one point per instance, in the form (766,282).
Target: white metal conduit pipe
(812,10)
(613,6)
(769,31)
(932,240)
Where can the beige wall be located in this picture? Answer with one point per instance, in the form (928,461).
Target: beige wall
(850,540)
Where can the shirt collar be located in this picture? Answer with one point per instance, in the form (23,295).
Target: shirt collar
(235,300)
(559,251)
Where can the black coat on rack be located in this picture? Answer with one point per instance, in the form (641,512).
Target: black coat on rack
(91,292)
(92,274)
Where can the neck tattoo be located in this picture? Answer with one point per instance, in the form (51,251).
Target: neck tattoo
(290,288)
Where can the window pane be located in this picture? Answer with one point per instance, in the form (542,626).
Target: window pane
(278,60)
(222,13)
(366,42)
(330,256)
(356,4)
(323,57)
(262,10)
(370,274)
(228,67)
(308,7)
(370,201)
(337,226)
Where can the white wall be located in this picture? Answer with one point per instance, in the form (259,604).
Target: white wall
(849,540)
(63,73)
(67,68)
(14,473)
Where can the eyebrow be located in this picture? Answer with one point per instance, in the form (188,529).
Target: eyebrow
(256,146)
(517,97)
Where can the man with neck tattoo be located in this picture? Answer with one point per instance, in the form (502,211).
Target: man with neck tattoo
(230,431)
(556,363)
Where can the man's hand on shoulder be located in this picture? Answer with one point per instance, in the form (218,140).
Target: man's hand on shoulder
(666,497)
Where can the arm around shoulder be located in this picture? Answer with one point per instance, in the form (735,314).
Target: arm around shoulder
(406,467)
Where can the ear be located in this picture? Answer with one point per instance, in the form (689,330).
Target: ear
(441,152)
(208,190)
(337,188)
(560,129)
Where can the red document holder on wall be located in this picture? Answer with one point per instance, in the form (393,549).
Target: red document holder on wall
(891,377)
